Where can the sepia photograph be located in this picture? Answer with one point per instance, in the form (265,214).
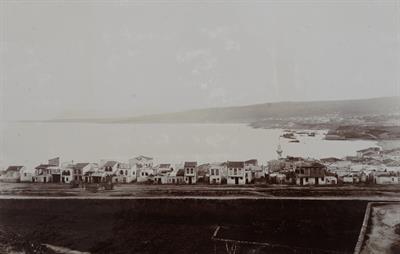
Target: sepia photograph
(200,126)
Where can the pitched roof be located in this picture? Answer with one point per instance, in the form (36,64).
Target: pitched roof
(110,164)
(235,164)
(330,174)
(218,164)
(311,164)
(80,165)
(385,174)
(43,166)
(190,164)
(202,170)
(14,168)
(165,165)
(140,157)
(251,162)
(181,172)
(330,159)
(292,158)
(55,161)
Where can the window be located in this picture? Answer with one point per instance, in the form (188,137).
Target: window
(235,171)
(217,171)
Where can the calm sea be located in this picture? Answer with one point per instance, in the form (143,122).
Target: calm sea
(32,143)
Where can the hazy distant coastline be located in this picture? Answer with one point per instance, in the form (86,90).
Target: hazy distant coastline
(372,119)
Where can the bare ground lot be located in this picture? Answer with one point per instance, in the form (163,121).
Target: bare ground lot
(368,192)
(383,229)
(182,225)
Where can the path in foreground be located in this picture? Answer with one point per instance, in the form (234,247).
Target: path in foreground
(205,191)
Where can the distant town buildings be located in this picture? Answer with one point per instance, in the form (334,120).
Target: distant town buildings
(370,166)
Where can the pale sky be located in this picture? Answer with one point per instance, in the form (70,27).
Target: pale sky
(126,58)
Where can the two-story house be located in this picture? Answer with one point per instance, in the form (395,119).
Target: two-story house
(124,173)
(310,173)
(142,162)
(217,173)
(110,167)
(162,173)
(43,173)
(252,171)
(79,169)
(236,172)
(145,174)
(190,172)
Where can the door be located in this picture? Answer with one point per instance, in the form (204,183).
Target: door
(190,180)
(56,178)
(236,180)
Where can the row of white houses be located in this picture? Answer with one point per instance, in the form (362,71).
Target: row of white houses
(140,169)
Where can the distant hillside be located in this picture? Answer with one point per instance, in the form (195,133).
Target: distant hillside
(279,110)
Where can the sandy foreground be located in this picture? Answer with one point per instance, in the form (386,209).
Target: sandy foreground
(383,232)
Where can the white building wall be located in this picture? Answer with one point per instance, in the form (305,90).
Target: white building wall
(232,180)
(387,180)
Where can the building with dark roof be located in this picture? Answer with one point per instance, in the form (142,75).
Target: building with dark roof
(252,162)
(190,168)
(310,173)
(14,168)
(12,174)
(236,172)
